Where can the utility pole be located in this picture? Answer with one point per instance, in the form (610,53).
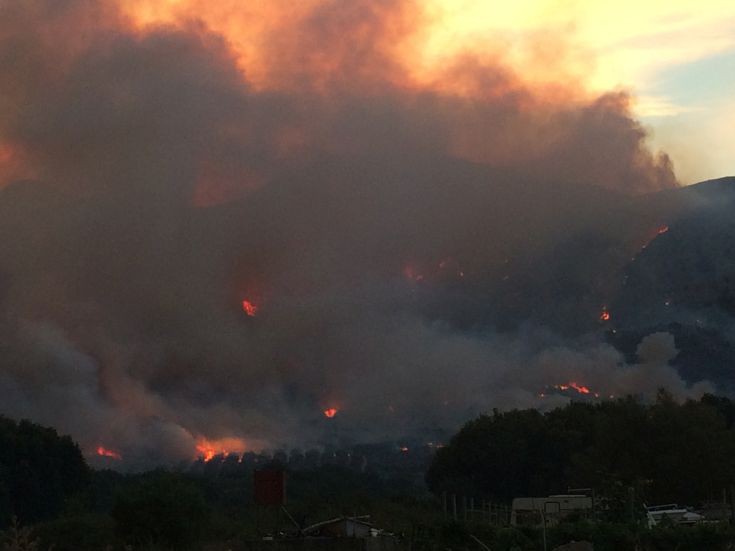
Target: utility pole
(543,526)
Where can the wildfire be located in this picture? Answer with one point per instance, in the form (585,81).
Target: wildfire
(209,449)
(605,315)
(581,389)
(653,235)
(329,413)
(249,308)
(104,452)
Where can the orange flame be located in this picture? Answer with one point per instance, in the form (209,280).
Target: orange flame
(574,386)
(330,412)
(579,388)
(104,452)
(605,315)
(653,235)
(249,308)
(209,449)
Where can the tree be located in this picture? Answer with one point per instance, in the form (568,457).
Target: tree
(39,471)
(662,452)
(163,509)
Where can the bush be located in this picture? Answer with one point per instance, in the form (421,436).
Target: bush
(77,533)
(164,510)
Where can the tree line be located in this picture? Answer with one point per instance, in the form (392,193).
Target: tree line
(665,451)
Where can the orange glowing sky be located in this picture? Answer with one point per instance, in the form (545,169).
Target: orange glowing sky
(664,52)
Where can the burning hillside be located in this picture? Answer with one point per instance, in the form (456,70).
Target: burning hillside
(435,238)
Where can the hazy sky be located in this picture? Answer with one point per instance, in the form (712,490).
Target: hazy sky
(430,204)
(676,56)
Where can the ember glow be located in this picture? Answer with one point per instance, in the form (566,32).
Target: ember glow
(581,389)
(652,235)
(605,315)
(249,308)
(105,452)
(330,412)
(209,449)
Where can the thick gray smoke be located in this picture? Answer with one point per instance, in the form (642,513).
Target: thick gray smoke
(415,256)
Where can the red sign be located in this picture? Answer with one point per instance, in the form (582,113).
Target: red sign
(269,487)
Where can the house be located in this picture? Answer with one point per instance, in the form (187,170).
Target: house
(342,527)
(672,513)
(347,534)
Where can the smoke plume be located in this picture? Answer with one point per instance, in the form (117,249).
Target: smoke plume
(415,245)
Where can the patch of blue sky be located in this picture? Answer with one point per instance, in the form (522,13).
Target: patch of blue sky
(699,83)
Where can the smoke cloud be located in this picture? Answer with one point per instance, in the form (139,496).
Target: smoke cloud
(419,247)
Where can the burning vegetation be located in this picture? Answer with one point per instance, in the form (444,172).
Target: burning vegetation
(209,449)
(249,308)
(105,452)
(581,389)
(137,241)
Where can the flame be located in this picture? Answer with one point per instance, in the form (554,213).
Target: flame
(208,449)
(605,315)
(330,412)
(653,234)
(581,389)
(249,308)
(104,452)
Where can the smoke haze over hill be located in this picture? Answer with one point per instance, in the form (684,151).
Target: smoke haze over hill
(412,250)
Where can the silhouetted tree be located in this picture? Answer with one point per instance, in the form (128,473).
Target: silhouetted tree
(162,509)
(664,451)
(39,470)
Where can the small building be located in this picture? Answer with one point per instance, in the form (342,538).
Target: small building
(342,527)
(550,510)
(346,534)
(672,513)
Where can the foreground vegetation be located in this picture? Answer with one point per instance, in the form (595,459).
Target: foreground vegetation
(666,452)
(662,452)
